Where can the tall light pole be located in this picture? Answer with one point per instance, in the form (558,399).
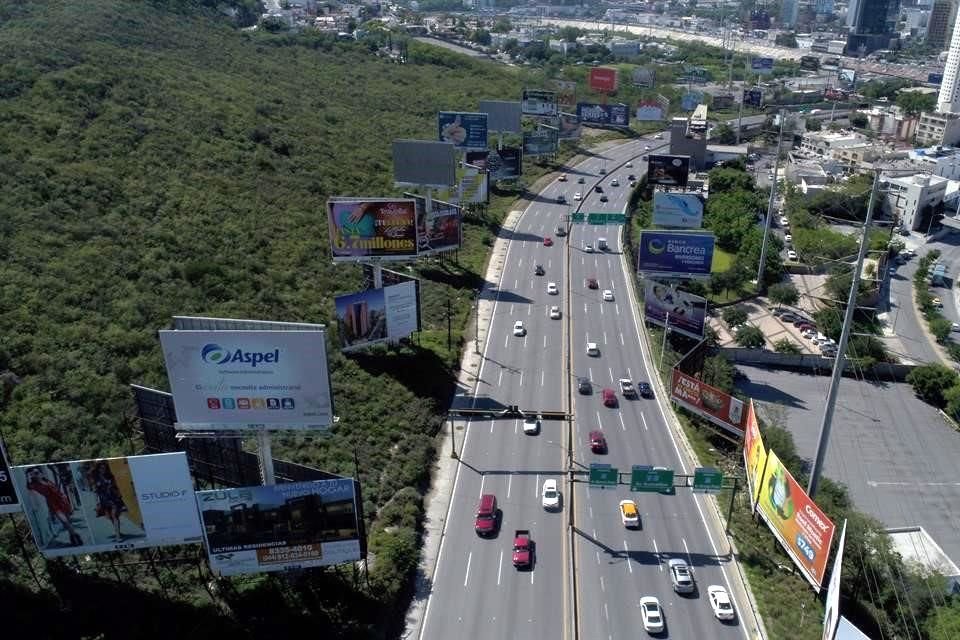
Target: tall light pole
(663,347)
(773,197)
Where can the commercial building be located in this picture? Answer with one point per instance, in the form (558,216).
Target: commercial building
(939,161)
(872,25)
(915,21)
(942,15)
(685,142)
(788,13)
(846,146)
(891,122)
(938,129)
(949,100)
(912,200)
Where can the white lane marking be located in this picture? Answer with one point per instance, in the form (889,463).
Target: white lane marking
(516,284)
(598,426)
(622,425)
(629,373)
(657,553)
(582,261)
(604,337)
(549,263)
(601,309)
(467,576)
(511,308)
(500,378)
(598,557)
(506,341)
(536,487)
(584,308)
(544,342)
(590,373)
(617,307)
(531,577)
(606,613)
(521,379)
(627,550)
(541,378)
(529,309)
(482,480)
(524,344)
(613,283)
(586,337)
(521,262)
(644,418)
(590,510)
(687,549)
(602,587)
(516,426)
(610,371)
(621,339)
(500,567)
(509,485)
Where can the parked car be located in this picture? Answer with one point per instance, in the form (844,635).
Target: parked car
(784,221)
(598,442)
(792,255)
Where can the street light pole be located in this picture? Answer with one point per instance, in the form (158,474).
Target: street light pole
(773,195)
(663,347)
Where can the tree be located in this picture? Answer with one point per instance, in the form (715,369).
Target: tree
(786,40)
(723,133)
(482,36)
(858,120)
(569,34)
(940,328)
(930,382)
(502,25)
(783,293)
(813,124)
(943,622)
(750,336)
(786,345)
(915,103)
(734,316)
(718,372)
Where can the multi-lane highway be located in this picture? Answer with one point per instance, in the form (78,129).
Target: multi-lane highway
(476,592)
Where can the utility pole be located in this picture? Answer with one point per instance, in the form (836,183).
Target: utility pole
(823,440)
(663,347)
(773,196)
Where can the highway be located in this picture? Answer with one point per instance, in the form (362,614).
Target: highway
(476,591)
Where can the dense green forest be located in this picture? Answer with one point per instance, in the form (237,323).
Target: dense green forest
(155,159)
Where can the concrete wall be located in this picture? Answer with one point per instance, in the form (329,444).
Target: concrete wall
(811,362)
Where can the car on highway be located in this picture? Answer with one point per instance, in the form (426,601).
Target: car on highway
(485,522)
(598,188)
(632,184)
(614,183)
(531,425)
(892,271)
(720,602)
(592,349)
(791,255)
(629,164)
(578,196)
(522,549)
(550,497)
(584,386)
(659,136)
(554,312)
(627,388)
(607,295)
(629,514)
(563,177)
(646,147)
(598,442)
(588,248)
(680,576)
(519,329)
(538,270)
(580,180)
(561,199)
(604,198)
(646,391)
(631,177)
(552,289)
(651,614)
(548,241)
(609,397)
(592,283)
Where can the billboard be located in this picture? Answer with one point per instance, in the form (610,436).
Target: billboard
(569,126)
(644,77)
(376,315)
(424,163)
(831,610)
(566,94)
(798,523)
(668,171)
(296,525)
(810,63)
(761,65)
(502,115)
(474,186)
(603,80)
(720,102)
(538,103)
(753,97)
(848,78)
(9,503)
(687,312)
(372,229)
(653,109)
(438,229)
(500,164)
(463,130)
(614,115)
(675,253)
(708,402)
(754,453)
(935,78)
(690,100)
(109,504)
(258,379)
(684,210)
(541,142)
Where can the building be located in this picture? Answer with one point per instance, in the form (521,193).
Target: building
(939,161)
(891,122)
(913,200)
(684,142)
(942,15)
(915,21)
(846,146)
(949,100)
(788,13)
(824,7)
(938,129)
(872,25)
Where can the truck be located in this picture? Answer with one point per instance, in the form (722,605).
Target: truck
(602,244)
(522,549)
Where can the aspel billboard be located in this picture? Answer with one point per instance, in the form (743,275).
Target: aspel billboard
(687,312)
(376,315)
(228,380)
(372,229)
(711,403)
(9,503)
(682,210)
(675,253)
(603,79)
(295,525)
(799,524)
(109,504)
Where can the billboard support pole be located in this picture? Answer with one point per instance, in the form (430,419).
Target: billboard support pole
(663,347)
(823,440)
(265,453)
(377,276)
(733,494)
(773,197)
(740,114)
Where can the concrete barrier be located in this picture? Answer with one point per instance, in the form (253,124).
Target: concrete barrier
(814,363)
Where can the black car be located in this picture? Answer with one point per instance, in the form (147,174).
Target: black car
(561,199)
(580,180)
(584,386)
(598,189)
(631,177)
(646,391)
(539,270)
(604,198)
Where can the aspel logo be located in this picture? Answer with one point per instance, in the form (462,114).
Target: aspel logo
(215,354)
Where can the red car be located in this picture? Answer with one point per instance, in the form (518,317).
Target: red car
(548,242)
(598,443)
(592,283)
(609,398)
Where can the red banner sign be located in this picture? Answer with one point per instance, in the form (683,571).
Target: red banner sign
(718,407)
(603,80)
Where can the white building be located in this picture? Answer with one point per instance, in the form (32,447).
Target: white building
(846,146)
(939,161)
(949,101)
(912,199)
(891,122)
(938,128)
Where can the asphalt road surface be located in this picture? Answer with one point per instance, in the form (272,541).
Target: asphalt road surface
(893,451)
(476,591)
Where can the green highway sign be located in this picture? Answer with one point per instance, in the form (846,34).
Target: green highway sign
(577,216)
(606,218)
(707,479)
(603,475)
(646,478)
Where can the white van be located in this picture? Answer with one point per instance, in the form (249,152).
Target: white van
(602,244)
(592,349)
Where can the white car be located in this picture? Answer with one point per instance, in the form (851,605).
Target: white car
(652,614)
(551,497)
(646,147)
(518,328)
(593,349)
(608,295)
(788,237)
(578,196)
(588,248)
(791,255)
(614,183)
(784,221)
(531,425)
(629,514)
(629,164)
(552,288)
(720,602)
(554,312)
(659,136)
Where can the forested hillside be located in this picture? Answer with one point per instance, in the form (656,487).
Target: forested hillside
(157,160)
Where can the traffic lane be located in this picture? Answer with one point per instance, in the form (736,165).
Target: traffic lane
(906,321)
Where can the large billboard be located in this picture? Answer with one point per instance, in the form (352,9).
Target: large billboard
(690,100)
(935,78)
(761,65)
(109,504)
(722,101)
(229,380)
(538,103)
(711,403)
(372,229)
(463,130)
(500,164)
(753,97)
(810,63)
(653,109)
(376,315)
(569,126)
(675,253)
(438,229)
(831,609)
(847,78)
(541,142)
(9,503)
(683,210)
(566,94)
(798,523)
(425,163)
(668,171)
(603,79)
(687,313)
(295,525)
(614,115)
(754,453)
(502,115)
(644,77)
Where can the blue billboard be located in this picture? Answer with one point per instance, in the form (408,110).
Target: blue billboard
(690,100)
(753,97)
(761,65)
(464,130)
(681,254)
(614,115)
(935,78)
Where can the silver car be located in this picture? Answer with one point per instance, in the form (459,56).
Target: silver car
(681,576)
